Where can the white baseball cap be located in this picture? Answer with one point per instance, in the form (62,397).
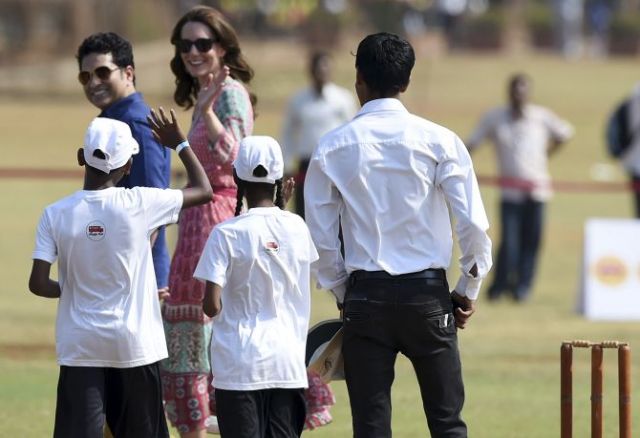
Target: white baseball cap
(111,137)
(259,150)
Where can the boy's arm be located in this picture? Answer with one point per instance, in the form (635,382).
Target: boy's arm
(40,283)
(212,304)
(167,132)
(199,190)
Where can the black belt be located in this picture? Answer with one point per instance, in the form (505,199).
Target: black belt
(436,274)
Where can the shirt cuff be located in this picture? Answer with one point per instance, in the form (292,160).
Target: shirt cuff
(44,256)
(468,287)
(218,278)
(339,291)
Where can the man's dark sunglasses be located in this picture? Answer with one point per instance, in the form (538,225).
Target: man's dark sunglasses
(202,45)
(103,73)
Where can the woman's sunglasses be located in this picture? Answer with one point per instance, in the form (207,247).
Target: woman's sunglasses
(202,45)
(103,73)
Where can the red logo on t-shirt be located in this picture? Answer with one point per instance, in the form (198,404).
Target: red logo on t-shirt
(96,230)
(272,246)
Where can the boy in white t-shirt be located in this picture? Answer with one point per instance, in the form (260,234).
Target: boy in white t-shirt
(256,267)
(109,335)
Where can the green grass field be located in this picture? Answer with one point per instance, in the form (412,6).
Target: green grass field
(510,352)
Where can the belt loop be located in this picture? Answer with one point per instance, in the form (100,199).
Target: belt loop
(352,280)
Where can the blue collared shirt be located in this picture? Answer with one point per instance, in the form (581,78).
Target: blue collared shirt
(151,167)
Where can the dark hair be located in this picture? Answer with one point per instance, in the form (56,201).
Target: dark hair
(385,61)
(107,42)
(316,57)
(265,188)
(98,172)
(239,196)
(104,43)
(187,86)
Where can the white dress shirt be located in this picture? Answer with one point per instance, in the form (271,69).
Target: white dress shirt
(522,147)
(310,116)
(387,177)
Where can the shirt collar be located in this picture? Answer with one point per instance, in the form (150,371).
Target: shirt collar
(384,104)
(526,112)
(263,211)
(121,104)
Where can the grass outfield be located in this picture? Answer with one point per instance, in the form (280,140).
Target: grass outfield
(510,352)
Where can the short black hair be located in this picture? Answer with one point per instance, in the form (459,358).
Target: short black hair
(385,60)
(107,42)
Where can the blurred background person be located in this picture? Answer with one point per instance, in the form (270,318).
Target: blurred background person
(312,112)
(569,27)
(451,13)
(623,138)
(107,75)
(524,136)
(211,77)
(598,16)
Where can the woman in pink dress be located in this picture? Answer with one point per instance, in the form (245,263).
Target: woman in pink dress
(211,75)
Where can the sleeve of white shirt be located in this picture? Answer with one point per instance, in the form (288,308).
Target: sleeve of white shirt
(45,248)
(162,206)
(458,181)
(322,206)
(480,132)
(560,130)
(313,252)
(214,260)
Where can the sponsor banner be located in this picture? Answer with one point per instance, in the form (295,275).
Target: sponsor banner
(611,270)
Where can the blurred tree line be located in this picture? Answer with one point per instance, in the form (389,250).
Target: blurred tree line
(32,29)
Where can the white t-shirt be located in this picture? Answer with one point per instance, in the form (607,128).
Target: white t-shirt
(108,313)
(310,116)
(261,259)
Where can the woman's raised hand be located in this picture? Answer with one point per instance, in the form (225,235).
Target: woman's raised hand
(211,90)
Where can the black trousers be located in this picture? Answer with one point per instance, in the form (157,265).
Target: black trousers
(265,413)
(412,316)
(129,398)
(520,236)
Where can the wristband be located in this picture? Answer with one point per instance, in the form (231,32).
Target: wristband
(184,144)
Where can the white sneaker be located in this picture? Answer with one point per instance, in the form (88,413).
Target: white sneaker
(212,425)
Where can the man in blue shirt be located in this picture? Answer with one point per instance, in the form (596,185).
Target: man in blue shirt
(107,75)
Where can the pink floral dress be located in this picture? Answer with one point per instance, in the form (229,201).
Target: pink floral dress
(186,372)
